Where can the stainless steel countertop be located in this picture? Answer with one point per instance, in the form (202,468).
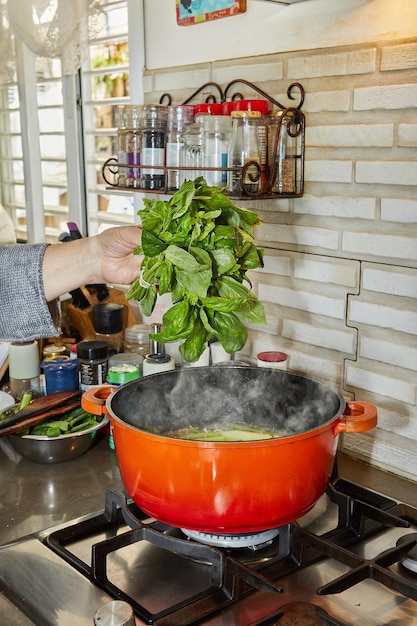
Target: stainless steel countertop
(34,497)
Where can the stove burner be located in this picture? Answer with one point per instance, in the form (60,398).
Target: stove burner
(250,540)
(410,560)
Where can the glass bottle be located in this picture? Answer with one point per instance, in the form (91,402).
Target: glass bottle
(282,153)
(217,133)
(132,120)
(244,147)
(154,134)
(179,117)
(191,153)
(121,144)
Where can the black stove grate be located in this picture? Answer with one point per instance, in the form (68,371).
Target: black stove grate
(361,513)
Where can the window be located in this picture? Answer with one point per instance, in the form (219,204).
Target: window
(56,133)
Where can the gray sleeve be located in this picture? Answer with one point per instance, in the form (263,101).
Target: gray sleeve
(24,312)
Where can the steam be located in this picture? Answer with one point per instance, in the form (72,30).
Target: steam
(212,397)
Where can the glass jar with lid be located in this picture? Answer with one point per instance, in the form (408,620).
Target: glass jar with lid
(137,339)
(154,136)
(131,134)
(244,150)
(191,154)
(217,133)
(179,117)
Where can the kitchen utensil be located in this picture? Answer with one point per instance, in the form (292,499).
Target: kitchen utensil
(227,487)
(42,449)
(39,410)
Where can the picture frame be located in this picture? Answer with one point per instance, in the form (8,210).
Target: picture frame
(190,12)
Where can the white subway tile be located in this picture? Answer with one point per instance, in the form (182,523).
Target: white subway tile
(390,280)
(384,246)
(407,135)
(390,352)
(311,302)
(380,384)
(399,57)
(337,206)
(321,101)
(382,316)
(299,235)
(387,97)
(342,340)
(387,172)
(337,171)
(330,271)
(399,210)
(333,64)
(352,135)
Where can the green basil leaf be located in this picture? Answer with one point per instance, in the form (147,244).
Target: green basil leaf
(224,260)
(148,302)
(152,245)
(182,259)
(222,304)
(229,330)
(195,344)
(252,312)
(165,277)
(228,287)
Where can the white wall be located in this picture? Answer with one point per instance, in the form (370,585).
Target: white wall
(267,28)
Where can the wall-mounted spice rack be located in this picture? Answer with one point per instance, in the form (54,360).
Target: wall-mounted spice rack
(281,172)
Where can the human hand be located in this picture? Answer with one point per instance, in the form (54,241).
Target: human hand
(114,248)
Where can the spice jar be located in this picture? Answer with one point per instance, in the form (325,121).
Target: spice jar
(191,154)
(93,357)
(179,117)
(137,339)
(154,133)
(61,374)
(244,150)
(217,133)
(108,318)
(132,139)
(121,144)
(282,148)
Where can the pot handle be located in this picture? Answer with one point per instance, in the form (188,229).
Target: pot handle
(94,400)
(359,416)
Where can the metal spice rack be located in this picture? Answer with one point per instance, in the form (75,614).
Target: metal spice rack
(291,168)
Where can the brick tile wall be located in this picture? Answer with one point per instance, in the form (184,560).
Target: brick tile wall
(340,278)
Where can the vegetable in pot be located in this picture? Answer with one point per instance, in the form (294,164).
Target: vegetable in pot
(199,246)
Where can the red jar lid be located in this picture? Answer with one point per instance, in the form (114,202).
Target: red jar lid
(252,105)
(213,108)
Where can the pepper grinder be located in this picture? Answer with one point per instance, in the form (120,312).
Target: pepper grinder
(24,369)
(157,360)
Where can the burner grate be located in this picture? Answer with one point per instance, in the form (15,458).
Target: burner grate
(361,514)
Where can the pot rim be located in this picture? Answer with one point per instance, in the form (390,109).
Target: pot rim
(258,443)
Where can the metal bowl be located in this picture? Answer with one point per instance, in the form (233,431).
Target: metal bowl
(42,449)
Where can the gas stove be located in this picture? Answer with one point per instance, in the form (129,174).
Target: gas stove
(351,560)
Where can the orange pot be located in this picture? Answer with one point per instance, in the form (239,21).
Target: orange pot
(227,487)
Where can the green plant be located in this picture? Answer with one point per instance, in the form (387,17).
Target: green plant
(199,246)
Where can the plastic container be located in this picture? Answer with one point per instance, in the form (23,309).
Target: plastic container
(61,374)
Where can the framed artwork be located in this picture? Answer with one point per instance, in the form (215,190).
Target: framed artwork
(196,11)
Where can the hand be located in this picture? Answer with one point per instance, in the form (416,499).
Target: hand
(104,258)
(115,247)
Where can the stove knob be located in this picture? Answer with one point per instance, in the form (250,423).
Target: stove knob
(115,613)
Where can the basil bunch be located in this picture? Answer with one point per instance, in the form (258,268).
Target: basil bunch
(199,246)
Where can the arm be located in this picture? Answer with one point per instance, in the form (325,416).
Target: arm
(104,258)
